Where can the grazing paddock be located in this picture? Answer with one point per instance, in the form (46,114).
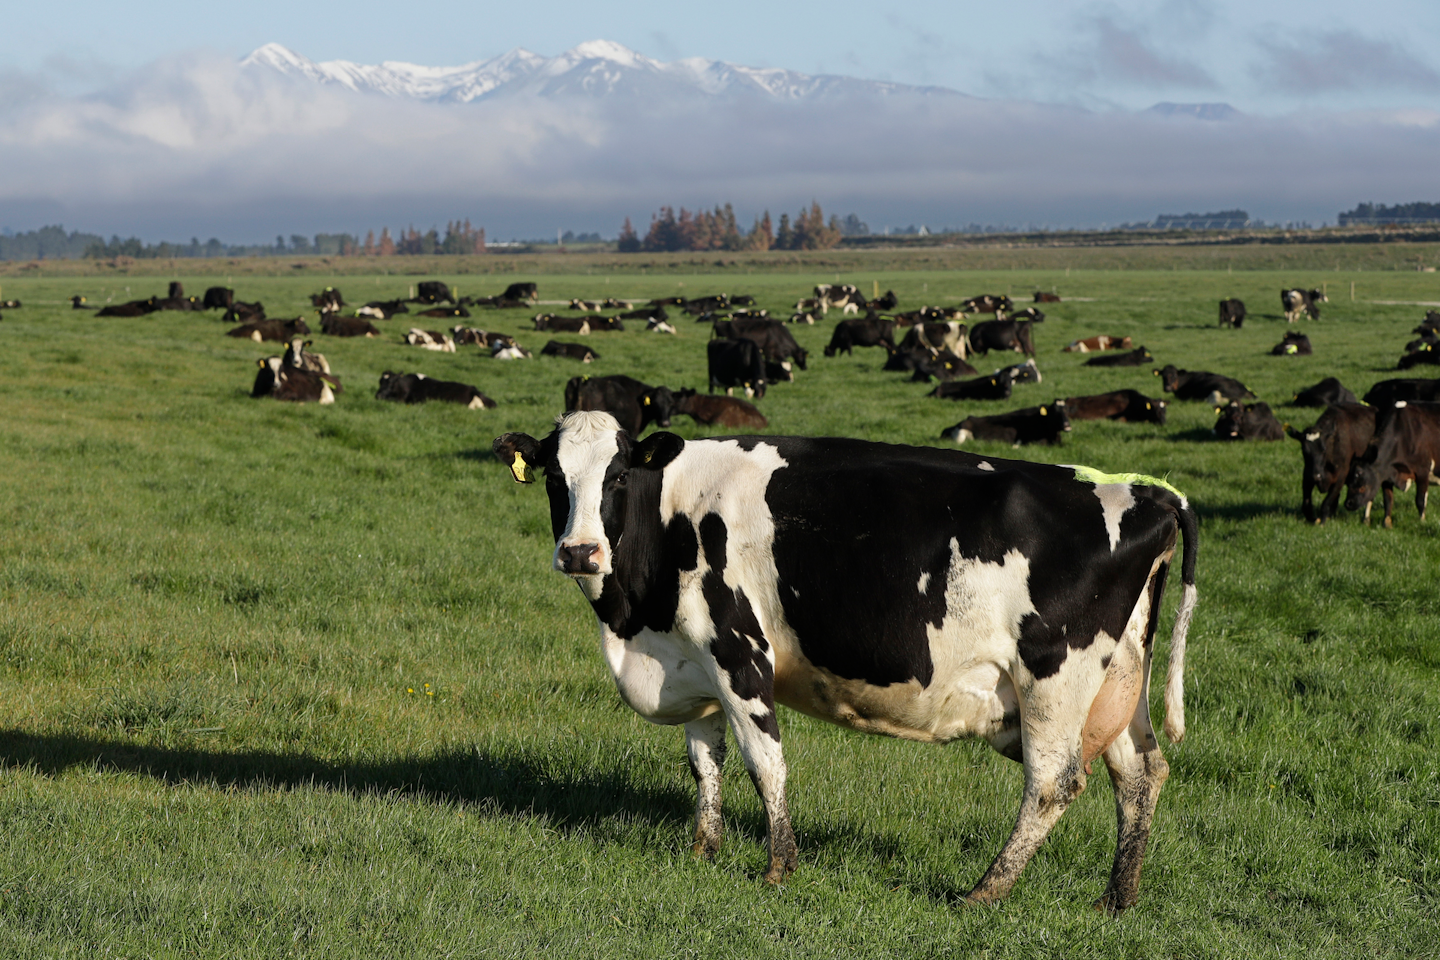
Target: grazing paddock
(282,679)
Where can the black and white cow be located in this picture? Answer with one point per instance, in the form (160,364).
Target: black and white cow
(572,351)
(1298,302)
(1232,313)
(280,381)
(418,388)
(1047,425)
(279,331)
(437,340)
(548,321)
(736,363)
(913,592)
(382,309)
(997,386)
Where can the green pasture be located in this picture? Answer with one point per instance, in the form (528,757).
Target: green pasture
(284,680)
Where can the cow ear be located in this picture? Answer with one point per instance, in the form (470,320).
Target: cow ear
(656,451)
(1294,434)
(520,452)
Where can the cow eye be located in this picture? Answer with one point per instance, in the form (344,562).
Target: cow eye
(622,478)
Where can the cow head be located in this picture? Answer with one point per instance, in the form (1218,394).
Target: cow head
(1318,470)
(588,462)
(1362,483)
(1169,377)
(657,406)
(1231,419)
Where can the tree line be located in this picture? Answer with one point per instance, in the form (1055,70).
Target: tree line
(718,230)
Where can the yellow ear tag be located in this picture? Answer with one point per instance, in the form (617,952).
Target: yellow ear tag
(1044,412)
(649,454)
(1147,406)
(521,470)
(647,401)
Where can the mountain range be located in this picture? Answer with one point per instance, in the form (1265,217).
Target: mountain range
(596,68)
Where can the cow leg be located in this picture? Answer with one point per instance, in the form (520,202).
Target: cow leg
(1137,770)
(758,737)
(1330,503)
(1054,776)
(1422,492)
(1389,492)
(705,744)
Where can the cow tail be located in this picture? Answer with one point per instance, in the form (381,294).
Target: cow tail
(1175,675)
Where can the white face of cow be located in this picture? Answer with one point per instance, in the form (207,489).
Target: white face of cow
(589,442)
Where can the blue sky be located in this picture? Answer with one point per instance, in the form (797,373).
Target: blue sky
(1265,57)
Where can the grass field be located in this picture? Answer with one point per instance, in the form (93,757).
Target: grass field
(297,681)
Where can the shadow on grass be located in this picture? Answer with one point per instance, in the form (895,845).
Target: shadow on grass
(1196,435)
(511,783)
(1245,511)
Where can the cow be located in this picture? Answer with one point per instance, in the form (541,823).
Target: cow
(921,593)
(1294,344)
(869,332)
(644,313)
(418,388)
(846,296)
(937,336)
(176,291)
(1029,313)
(327,300)
(440,313)
(987,303)
(1002,335)
(736,363)
(509,351)
(927,315)
(524,291)
(927,366)
(1426,355)
(587,306)
(1324,393)
(607,325)
(1298,302)
(1405,448)
(1026,372)
(14,304)
(712,411)
(610,303)
(1213,388)
(280,331)
(1232,313)
(885,302)
(1046,297)
(775,342)
(548,321)
(1386,392)
(242,312)
(656,325)
(699,305)
(432,291)
(572,351)
(469,336)
(337,326)
(1099,342)
(1337,439)
(1427,339)
(218,298)
(178,303)
(132,308)
(77,302)
(437,340)
(278,381)
(1138,357)
(1045,425)
(1255,421)
(1127,406)
(296,355)
(382,309)
(633,404)
(997,386)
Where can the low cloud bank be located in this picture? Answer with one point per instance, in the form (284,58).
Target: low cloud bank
(197,146)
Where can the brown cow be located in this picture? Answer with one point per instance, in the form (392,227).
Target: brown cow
(1098,342)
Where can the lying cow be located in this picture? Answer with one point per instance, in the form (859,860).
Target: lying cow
(298,355)
(987,303)
(736,363)
(1138,357)
(437,340)
(132,308)
(994,387)
(1329,448)
(1127,406)
(441,313)
(1255,421)
(572,351)
(77,302)
(218,298)
(1406,448)
(382,309)
(1324,393)
(1297,303)
(1386,392)
(1026,372)
(633,404)
(1425,355)
(942,365)
(278,381)
(1232,313)
(418,388)
(335,325)
(548,321)
(1213,388)
(968,616)
(1047,425)
(730,412)
(869,332)
(1096,343)
(1295,344)
(1046,297)
(433,291)
(279,331)
(327,300)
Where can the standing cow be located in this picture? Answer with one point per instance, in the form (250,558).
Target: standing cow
(919,593)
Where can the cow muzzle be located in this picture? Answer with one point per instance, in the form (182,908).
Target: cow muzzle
(578,559)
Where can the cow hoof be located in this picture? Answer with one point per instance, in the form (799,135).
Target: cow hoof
(1112,905)
(705,848)
(1389,524)
(779,872)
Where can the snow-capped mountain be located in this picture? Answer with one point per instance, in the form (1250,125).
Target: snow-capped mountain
(595,68)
